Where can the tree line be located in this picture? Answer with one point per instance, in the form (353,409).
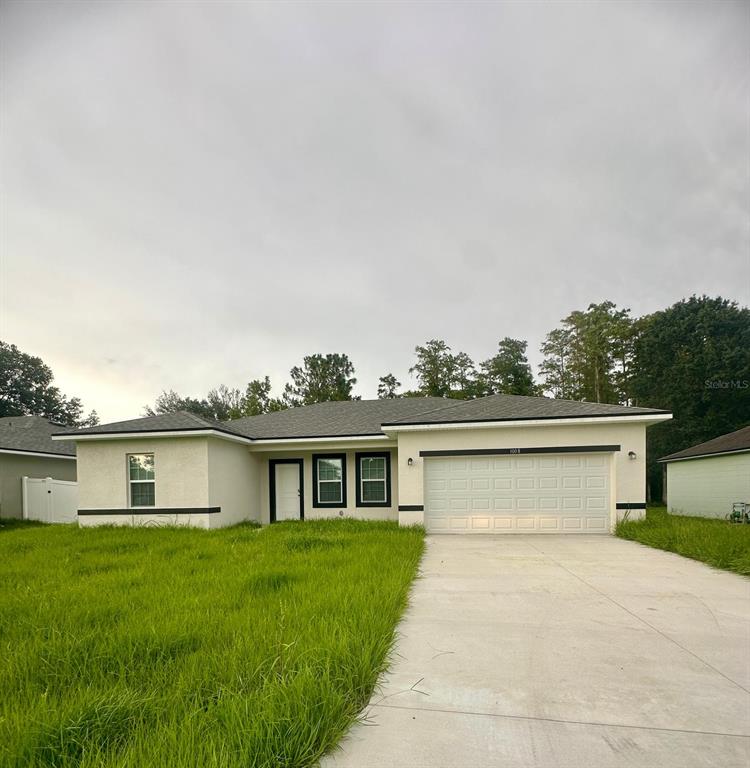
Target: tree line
(692,358)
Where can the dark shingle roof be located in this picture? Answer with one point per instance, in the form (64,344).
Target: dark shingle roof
(517,407)
(734,441)
(32,434)
(365,417)
(336,419)
(179,421)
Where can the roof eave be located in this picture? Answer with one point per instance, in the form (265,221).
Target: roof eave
(152,433)
(531,421)
(670,459)
(40,454)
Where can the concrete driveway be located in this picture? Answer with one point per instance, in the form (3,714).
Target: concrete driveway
(563,652)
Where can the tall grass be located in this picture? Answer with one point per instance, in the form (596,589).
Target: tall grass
(716,542)
(178,647)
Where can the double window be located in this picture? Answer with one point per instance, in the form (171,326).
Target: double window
(329,480)
(373,479)
(141,480)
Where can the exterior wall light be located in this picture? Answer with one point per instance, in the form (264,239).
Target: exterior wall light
(631,455)
(410,461)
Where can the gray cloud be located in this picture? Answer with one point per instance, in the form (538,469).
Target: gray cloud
(203,193)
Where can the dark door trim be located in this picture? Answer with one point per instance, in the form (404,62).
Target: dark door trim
(272,464)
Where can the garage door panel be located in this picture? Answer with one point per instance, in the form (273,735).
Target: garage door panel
(480,465)
(518,494)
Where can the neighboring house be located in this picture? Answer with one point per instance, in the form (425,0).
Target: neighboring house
(499,464)
(27,449)
(708,478)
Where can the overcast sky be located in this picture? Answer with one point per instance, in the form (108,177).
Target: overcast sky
(197,193)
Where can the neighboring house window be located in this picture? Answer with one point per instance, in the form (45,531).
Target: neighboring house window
(141,479)
(373,479)
(329,480)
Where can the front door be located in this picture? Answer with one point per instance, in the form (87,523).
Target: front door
(287,498)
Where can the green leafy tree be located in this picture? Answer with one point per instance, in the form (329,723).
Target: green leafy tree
(225,403)
(508,372)
(319,379)
(560,379)
(589,357)
(26,389)
(258,398)
(440,373)
(693,359)
(465,383)
(388,387)
(170,402)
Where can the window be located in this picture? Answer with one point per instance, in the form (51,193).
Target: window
(329,480)
(373,479)
(141,479)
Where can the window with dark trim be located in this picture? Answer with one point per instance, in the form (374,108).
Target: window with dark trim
(373,479)
(329,479)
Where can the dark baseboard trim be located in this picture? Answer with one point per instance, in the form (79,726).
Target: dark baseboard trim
(153,511)
(519,451)
(411,508)
(631,505)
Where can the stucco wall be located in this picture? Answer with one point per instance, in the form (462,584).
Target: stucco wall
(350,509)
(233,483)
(14,466)
(708,487)
(630,474)
(181,471)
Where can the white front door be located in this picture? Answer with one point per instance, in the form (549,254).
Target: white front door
(546,493)
(286,480)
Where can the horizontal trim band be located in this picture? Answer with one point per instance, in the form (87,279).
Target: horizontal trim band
(517,451)
(153,511)
(411,508)
(631,505)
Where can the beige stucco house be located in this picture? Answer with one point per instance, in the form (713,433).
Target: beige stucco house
(705,480)
(27,450)
(499,464)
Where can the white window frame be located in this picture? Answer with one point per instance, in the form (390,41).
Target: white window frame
(341,482)
(363,480)
(130,482)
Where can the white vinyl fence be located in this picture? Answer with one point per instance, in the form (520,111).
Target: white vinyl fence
(50,501)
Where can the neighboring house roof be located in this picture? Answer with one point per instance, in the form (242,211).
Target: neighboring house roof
(32,434)
(730,443)
(350,418)
(519,407)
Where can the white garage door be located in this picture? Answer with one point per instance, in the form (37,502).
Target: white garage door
(546,493)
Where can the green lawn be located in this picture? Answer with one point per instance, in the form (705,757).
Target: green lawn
(716,542)
(180,647)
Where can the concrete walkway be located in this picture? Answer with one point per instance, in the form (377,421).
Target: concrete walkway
(562,652)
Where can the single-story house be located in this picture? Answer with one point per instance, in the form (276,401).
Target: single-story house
(27,449)
(499,464)
(707,479)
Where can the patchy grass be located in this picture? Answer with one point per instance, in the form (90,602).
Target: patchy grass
(716,542)
(178,647)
